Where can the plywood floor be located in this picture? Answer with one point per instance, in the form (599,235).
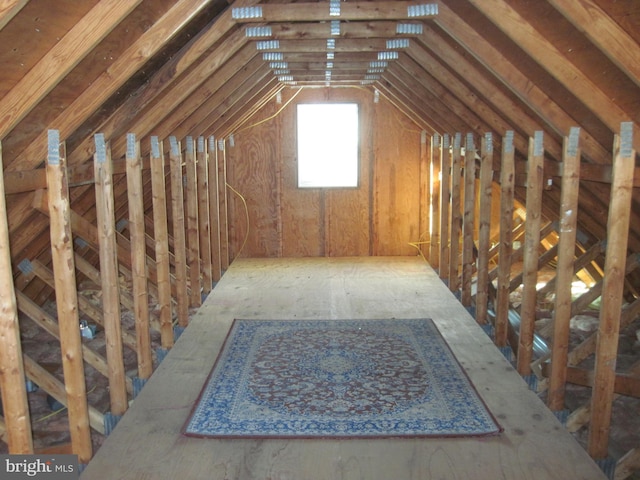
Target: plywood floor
(147,443)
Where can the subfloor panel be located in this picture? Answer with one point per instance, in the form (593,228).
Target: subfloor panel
(147,443)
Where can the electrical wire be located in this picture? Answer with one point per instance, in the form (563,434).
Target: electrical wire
(246,211)
(420,241)
(53,414)
(272,116)
(416,245)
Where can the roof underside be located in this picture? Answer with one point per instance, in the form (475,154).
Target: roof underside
(179,67)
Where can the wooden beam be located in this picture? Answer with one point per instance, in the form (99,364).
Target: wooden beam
(204,225)
(628,464)
(511,112)
(445,191)
(316,12)
(109,276)
(161,239)
(67,298)
(620,47)
(319,45)
(506,239)
(588,346)
(9,9)
(135,195)
(398,98)
(425,182)
(216,95)
(373,29)
(179,236)
(88,232)
(468,224)
(544,259)
(584,300)
(223,220)
(580,263)
(214,209)
(193,237)
(607,343)
(25,181)
(540,49)
(420,91)
(531,253)
(624,384)
(479,114)
(179,92)
(85,306)
(590,172)
(14,395)
(516,235)
(60,392)
(49,324)
(456,215)
(434,212)
(581,416)
(564,271)
(251,102)
(122,69)
(448,97)
(484,240)
(61,59)
(517,82)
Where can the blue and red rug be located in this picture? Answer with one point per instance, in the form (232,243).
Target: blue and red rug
(337,378)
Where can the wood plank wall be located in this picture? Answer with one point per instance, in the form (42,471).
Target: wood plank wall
(379,217)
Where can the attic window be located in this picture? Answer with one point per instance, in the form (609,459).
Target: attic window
(327,145)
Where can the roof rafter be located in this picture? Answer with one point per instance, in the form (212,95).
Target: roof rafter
(555,63)
(407,106)
(61,59)
(9,9)
(178,92)
(126,65)
(513,79)
(603,32)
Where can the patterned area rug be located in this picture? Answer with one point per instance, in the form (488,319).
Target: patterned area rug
(337,378)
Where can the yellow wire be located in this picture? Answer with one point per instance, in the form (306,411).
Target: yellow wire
(285,106)
(416,245)
(246,211)
(272,116)
(53,414)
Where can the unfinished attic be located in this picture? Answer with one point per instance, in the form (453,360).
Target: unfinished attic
(190,288)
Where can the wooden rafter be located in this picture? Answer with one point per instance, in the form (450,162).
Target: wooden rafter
(609,326)
(547,55)
(500,103)
(14,396)
(62,58)
(149,43)
(603,32)
(9,9)
(172,97)
(517,82)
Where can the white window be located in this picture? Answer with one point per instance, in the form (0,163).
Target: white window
(328,145)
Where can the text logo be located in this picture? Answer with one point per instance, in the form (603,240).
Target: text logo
(50,467)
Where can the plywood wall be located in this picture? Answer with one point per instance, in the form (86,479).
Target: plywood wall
(379,217)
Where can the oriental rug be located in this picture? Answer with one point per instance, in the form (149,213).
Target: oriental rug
(337,378)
